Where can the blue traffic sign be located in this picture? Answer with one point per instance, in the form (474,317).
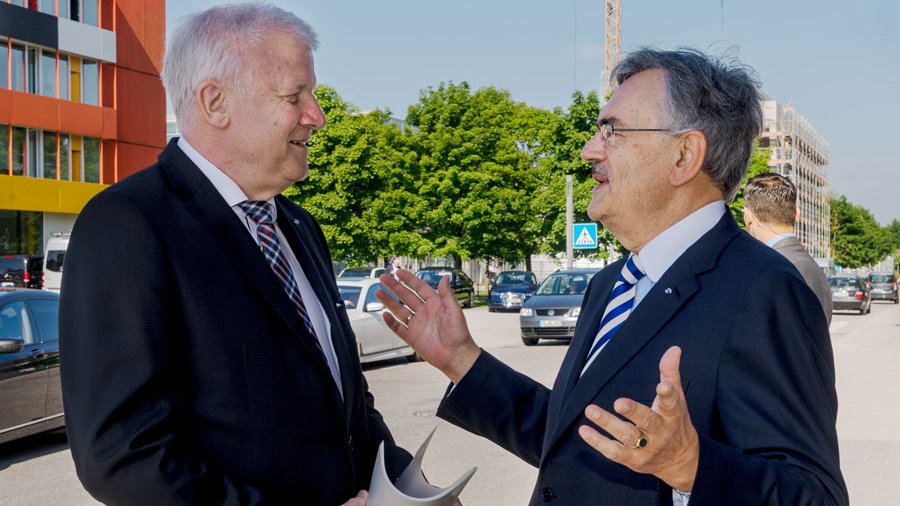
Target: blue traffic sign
(585,235)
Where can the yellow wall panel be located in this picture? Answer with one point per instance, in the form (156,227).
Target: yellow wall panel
(45,195)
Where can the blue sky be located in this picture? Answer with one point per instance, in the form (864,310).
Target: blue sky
(838,63)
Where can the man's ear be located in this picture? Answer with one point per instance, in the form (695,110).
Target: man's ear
(691,154)
(796,214)
(749,218)
(213,105)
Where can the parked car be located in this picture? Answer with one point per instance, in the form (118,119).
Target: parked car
(460,283)
(24,271)
(511,289)
(361,272)
(850,293)
(551,313)
(374,340)
(883,287)
(30,392)
(53,261)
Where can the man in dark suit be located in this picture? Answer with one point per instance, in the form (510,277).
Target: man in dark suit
(770,211)
(701,370)
(208,357)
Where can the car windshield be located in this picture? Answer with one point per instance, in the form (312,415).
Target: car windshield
(515,278)
(565,284)
(350,295)
(12,264)
(881,278)
(361,272)
(432,276)
(842,282)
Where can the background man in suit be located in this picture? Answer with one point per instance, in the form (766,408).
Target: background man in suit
(702,356)
(208,355)
(770,211)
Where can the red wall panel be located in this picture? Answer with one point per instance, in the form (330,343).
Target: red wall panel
(141,109)
(133,158)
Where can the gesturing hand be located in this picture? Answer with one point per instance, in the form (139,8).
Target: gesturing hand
(671,448)
(360,500)
(431,322)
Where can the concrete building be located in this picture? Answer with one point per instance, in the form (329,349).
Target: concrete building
(81,107)
(800,153)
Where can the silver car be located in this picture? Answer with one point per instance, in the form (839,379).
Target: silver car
(374,340)
(551,313)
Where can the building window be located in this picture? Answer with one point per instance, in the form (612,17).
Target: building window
(64,9)
(4,149)
(64,77)
(90,82)
(17,68)
(31,70)
(31,159)
(4,65)
(65,146)
(21,232)
(74,9)
(49,155)
(18,151)
(91,16)
(47,7)
(48,74)
(91,151)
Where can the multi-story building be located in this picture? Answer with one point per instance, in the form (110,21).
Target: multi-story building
(81,107)
(800,153)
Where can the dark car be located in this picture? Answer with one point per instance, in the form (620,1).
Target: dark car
(883,287)
(460,283)
(21,271)
(30,393)
(551,313)
(511,289)
(850,293)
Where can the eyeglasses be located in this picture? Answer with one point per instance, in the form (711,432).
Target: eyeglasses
(608,131)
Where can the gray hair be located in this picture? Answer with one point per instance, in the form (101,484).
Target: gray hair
(216,44)
(718,96)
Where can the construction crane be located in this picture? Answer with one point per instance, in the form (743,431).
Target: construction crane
(612,16)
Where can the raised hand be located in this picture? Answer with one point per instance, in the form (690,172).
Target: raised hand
(659,440)
(431,322)
(360,500)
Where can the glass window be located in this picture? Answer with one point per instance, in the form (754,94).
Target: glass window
(55,260)
(350,295)
(4,149)
(18,151)
(90,12)
(13,324)
(46,6)
(18,68)
(64,9)
(74,9)
(65,145)
(22,233)
(64,77)
(31,84)
(49,155)
(90,82)
(91,160)
(31,159)
(4,65)
(48,74)
(45,314)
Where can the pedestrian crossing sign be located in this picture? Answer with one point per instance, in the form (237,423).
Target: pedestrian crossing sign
(585,235)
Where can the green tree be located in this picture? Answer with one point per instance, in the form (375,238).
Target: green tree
(759,163)
(857,240)
(362,184)
(476,153)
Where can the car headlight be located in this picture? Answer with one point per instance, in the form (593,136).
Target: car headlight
(576,312)
(526,311)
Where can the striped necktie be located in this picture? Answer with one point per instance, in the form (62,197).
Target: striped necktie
(259,212)
(619,307)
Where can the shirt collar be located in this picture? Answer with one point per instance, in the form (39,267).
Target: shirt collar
(775,240)
(226,186)
(663,250)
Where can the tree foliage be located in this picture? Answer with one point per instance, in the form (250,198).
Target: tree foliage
(857,240)
(759,163)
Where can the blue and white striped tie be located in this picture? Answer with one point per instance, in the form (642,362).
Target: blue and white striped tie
(619,307)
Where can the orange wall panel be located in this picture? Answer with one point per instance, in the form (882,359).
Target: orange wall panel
(34,111)
(82,119)
(140,35)
(108,162)
(5,106)
(141,109)
(133,158)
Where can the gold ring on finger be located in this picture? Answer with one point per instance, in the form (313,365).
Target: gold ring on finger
(641,440)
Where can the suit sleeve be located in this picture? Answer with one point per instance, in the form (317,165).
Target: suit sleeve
(776,407)
(125,366)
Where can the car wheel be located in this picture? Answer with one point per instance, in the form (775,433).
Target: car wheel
(491,310)
(869,307)
(530,341)
(470,301)
(862,310)
(897,300)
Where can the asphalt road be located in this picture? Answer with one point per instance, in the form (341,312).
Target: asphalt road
(38,470)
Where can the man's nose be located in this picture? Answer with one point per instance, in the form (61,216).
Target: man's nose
(313,116)
(594,149)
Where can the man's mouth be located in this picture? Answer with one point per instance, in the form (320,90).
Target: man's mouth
(307,143)
(600,174)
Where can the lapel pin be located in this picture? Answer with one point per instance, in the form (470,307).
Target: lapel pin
(668,291)
(296,221)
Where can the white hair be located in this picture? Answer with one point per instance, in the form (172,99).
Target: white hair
(215,44)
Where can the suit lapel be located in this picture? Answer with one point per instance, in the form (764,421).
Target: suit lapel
(204,202)
(673,290)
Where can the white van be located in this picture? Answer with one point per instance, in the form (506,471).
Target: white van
(53,261)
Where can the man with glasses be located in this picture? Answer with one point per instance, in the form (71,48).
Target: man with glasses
(701,369)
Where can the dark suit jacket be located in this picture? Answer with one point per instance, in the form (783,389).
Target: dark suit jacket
(794,251)
(757,368)
(188,376)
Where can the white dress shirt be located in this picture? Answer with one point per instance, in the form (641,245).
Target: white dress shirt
(233,196)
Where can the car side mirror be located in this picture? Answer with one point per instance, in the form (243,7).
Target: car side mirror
(374,307)
(11,345)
